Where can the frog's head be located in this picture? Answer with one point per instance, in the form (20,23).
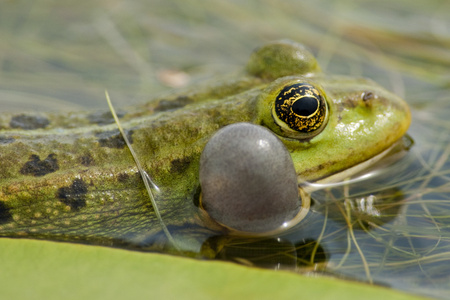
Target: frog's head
(329,124)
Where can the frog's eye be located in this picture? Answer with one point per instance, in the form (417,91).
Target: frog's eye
(300,110)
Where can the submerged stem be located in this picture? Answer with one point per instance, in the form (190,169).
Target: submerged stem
(145,177)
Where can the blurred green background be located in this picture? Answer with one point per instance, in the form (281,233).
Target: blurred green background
(61,55)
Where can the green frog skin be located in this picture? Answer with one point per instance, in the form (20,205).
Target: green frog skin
(70,177)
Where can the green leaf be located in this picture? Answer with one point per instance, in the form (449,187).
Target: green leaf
(32,269)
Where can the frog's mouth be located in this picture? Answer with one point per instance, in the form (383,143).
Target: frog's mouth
(363,170)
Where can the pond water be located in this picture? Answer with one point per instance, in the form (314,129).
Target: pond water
(390,228)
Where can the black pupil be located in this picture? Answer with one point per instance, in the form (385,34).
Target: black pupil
(305,106)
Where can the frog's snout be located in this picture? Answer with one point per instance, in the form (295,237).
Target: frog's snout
(249,184)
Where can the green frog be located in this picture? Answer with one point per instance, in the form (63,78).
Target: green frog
(71,177)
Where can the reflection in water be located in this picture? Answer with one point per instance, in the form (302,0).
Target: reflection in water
(360,210)
(271,253)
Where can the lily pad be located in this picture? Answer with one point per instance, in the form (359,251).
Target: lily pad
(48,270)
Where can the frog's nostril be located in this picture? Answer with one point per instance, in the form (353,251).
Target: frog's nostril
(367,96)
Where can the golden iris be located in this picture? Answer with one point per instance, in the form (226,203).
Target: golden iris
(301,107)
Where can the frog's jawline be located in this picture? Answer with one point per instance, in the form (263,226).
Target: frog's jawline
(338,178)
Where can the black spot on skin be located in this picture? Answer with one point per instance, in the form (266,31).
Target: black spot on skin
(6,140)
(87,160)
(113,139)
(37,167)
(133,179)
(165,105)
(179,165)
(103,118)
(29,122)
(123,177)
(5,214)
(73,195)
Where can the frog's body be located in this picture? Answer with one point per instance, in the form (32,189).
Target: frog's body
(72,178)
